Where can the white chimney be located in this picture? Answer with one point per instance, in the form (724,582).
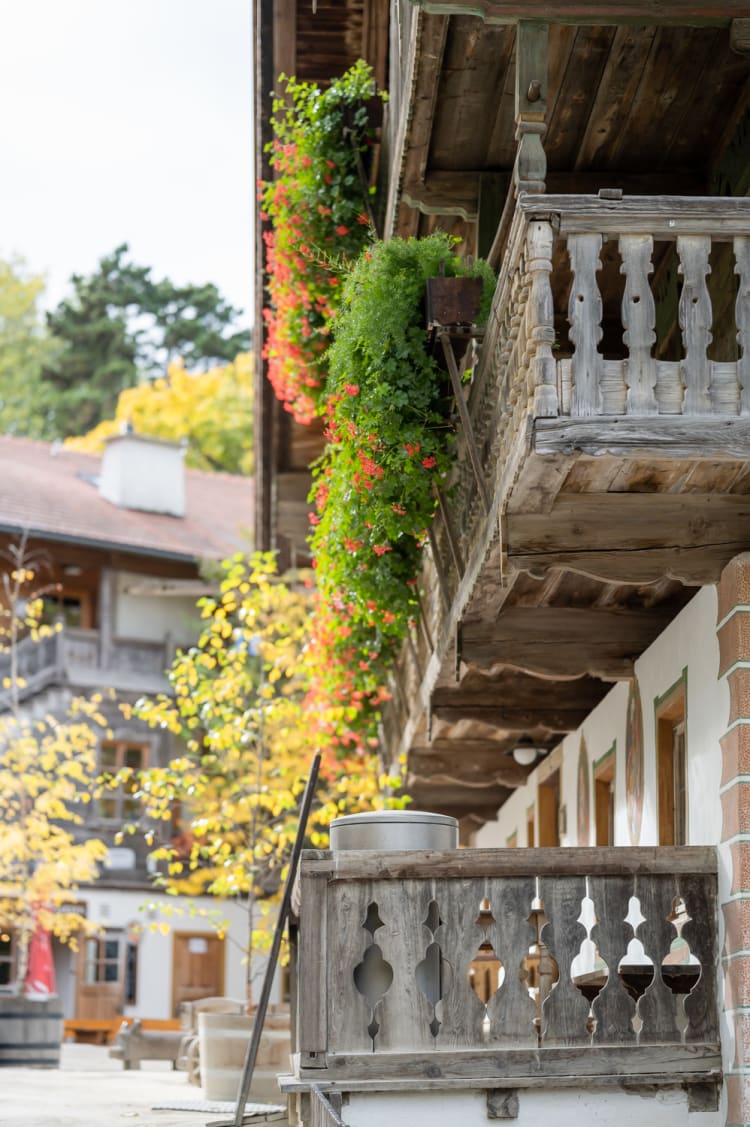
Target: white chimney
(139,472)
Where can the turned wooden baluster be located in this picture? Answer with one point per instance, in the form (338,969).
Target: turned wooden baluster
(639,320)
(742,313)
(585,317)
(541,322)
(696,317)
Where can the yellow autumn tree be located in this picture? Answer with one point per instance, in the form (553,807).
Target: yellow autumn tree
(229,804)
(212,411)
(48,771)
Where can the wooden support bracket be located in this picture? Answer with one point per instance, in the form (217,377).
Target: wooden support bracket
(466,424)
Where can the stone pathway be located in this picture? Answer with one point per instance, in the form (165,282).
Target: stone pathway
(92,1090)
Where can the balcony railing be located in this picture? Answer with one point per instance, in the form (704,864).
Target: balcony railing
(78,657)
(642,279)
(628,315)
(510,966)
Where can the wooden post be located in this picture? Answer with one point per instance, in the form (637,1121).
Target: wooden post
(585,317)
(531,105)
(541,320)
(742,314)
(639,320)
(695,315)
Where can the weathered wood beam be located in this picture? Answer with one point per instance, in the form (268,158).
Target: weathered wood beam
(739,36)
(462,192)
(532,51)
(521,703)
(633,537)
(416,109)
(710,437)
(690,13)
(445,193)
(459,763)
(459,802)
(563,642)
(509,719)
(664,217)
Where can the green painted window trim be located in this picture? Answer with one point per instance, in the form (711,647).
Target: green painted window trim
(603,758)
(681,680)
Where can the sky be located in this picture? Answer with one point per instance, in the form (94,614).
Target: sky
(128,121)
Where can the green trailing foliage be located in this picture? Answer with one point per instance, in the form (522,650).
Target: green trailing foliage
(391,442)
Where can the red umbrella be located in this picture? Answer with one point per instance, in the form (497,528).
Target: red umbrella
(39,983)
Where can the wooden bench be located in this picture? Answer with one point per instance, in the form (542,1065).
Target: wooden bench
(101,1031)
(91,1031)
(135,1044)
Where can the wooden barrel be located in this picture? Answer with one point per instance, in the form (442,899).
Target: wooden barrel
(30,1033)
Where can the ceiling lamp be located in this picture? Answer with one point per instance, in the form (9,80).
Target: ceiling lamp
(526,752)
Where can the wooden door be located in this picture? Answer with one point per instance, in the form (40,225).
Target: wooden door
(100,991)
(548,800)
(198,968)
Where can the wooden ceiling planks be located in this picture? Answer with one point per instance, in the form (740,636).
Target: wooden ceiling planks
(722,85)
(619,85)
(470,104)
(328,40)
(668,99)
(568,117)
(629,99)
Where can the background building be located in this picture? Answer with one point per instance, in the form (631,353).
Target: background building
(120,547)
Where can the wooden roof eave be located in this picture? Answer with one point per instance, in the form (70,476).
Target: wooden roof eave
(411,129)
(687,13)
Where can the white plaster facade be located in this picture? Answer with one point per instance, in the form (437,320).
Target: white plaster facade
(158,918)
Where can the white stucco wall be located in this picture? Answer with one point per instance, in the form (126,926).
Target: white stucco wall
(117,909)
(690,643)
(151,618)
(562,1107)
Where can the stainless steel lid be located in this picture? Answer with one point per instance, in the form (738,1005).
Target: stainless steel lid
(409,817)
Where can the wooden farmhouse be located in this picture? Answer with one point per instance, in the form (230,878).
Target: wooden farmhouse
(579,679)
(116,545)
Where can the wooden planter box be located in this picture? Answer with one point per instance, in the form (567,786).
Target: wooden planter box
(452,301)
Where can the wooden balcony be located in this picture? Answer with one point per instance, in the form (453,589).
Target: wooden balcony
(602,473)
(508,968)
(83,660)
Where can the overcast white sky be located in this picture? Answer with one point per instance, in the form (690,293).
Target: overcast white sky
(128,122)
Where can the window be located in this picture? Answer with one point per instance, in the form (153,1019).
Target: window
(671,758)
(110,960)
(604,798)
(121,805)
(74,608)
(131,973)
(7,959)
(102,960)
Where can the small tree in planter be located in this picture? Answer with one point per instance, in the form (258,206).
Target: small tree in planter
(391,443)
(48,772)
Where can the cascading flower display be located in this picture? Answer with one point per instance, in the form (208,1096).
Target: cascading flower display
(318,210)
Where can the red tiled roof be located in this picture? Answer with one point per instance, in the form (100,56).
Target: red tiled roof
(43,491)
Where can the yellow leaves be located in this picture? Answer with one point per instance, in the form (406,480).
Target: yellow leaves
(213,409)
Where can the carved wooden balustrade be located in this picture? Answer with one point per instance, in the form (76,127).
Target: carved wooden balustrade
(77,656)
(608,967)
(631,316)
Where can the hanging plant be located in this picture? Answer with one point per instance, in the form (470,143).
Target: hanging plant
(319,210)
(390,443)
